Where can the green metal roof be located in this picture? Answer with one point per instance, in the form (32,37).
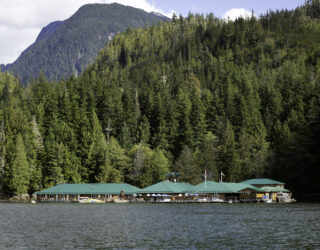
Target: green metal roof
(238,187)
(94,188)
(204,185)
(274,189)
(211,187)
(263,181)
(167,187)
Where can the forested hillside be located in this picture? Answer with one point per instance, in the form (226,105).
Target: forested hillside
(186,96)
(66,48)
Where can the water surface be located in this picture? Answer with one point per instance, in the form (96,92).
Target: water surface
(100,226)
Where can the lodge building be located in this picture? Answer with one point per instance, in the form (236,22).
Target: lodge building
(254,190)
(74,192)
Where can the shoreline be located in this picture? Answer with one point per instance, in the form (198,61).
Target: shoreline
(13,201)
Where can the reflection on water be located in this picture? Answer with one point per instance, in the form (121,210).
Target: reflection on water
(89,226)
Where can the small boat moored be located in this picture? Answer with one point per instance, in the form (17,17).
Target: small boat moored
(164,200)
(285,198)
(121,198)
(204,199)
(216,199)
(90,200)
(120,201)
(266,199)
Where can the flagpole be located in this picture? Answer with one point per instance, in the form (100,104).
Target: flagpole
(205,179)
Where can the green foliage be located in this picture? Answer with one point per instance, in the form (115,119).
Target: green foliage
(189,96)
(66,48)
(208,156)
(20,174)
(186,166)
(116,163)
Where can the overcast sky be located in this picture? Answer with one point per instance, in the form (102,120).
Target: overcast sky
(22,20)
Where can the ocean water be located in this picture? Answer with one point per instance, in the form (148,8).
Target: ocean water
(159,226)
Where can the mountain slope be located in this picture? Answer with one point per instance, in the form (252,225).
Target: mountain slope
(48,30)
(66,48)
(194,95)
(239,97)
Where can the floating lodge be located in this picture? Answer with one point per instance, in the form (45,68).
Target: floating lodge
(253,190)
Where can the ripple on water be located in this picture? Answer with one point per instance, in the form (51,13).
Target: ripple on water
(79,226)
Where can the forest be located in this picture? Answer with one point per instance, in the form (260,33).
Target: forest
(194,94)
(65,48)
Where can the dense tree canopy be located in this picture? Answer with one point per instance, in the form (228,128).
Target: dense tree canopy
(65,48)
(190,95)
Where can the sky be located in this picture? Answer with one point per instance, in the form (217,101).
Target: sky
(22,20)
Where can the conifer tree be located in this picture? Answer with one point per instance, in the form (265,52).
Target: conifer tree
(186,166)
(20,172)
(190,95)
(208,155)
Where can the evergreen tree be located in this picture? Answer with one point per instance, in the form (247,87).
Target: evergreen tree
(208,155)
(186,166)
(138,164)
(116,163)
(189,96)
(20,169)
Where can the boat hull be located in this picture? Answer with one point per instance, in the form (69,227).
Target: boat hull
(286,200)
(266,200)
(87,201)
(120,201)
(217,200)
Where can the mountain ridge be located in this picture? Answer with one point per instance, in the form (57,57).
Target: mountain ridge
(48,30)
(65,48)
